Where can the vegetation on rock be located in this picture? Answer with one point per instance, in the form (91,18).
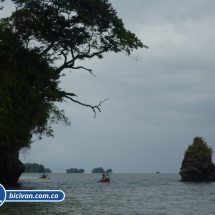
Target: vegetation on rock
(36,168)
(33,39)
(47,170)
(197,164)
(101,170)
(199,149)
(39,41)
(108,171)
(98,170)
(75,170)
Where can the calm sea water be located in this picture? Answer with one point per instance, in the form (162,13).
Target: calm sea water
(126,194)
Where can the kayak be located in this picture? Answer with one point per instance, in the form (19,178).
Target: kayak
(105,181)
(43,176)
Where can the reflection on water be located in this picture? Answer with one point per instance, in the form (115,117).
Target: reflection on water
(126,194)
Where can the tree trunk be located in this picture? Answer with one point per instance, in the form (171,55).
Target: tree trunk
(10,167)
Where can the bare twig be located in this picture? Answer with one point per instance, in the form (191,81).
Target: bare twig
(81,67)
(90,106)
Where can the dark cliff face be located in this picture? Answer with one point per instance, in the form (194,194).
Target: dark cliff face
(10,167)
(197,170)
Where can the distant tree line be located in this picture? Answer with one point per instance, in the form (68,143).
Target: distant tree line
(75,170)
(108,170)
(101,170)
(47,170)
(36,168)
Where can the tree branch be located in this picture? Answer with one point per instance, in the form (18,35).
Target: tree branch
(48,48)
(70,63)
(81,67)
(70,94)
(65,56)
(90,106)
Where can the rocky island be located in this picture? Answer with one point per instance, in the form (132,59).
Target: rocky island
(197,165)
(101,170)
(75,170)
(36,168)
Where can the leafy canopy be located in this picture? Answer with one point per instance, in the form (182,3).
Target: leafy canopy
(28,90)
(36,36)
(199,149)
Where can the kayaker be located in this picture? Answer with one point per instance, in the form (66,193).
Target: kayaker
(107,176)
(43,175)
(103,177)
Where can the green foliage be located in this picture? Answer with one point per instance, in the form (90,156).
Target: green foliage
(75,170)
(34,168)
(108,171)
(28,90)
(83,26)
(37,35)
(98,170)
(199,149)
(47,170)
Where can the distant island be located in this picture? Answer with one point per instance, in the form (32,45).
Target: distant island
(36,168)
(47,170)
(109,171)
(75,170)
(101,170)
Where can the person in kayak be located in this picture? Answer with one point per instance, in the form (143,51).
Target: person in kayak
(43,176)
(107,177)
(103,177)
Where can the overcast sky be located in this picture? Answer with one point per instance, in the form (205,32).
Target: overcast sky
(157,104)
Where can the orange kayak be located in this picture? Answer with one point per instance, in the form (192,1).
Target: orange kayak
(105,181)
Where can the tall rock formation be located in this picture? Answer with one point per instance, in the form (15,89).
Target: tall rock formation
(197,165)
